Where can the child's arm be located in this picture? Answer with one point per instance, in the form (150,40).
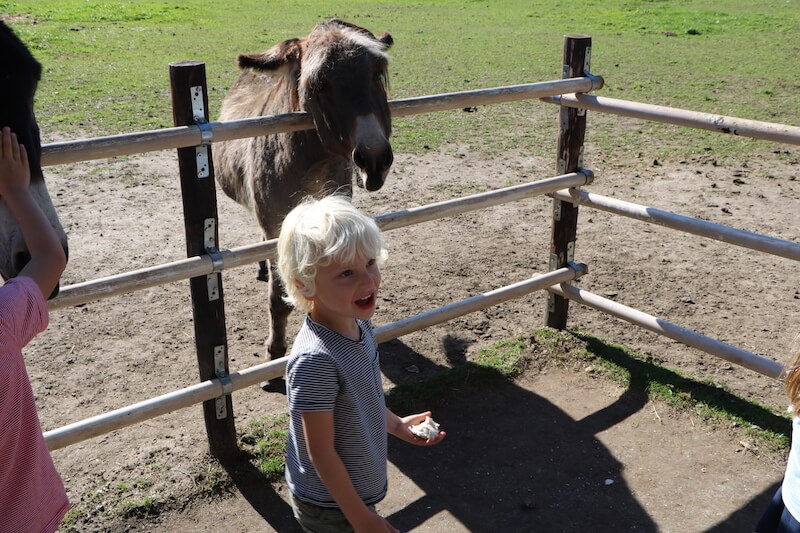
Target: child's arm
(318,428)
(398,427)
(47,256)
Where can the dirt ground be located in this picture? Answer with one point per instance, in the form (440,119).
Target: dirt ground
(559,449)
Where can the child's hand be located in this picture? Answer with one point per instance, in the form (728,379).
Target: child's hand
(15,174)
(405,433)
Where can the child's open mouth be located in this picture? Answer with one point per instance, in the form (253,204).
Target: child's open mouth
(367,302)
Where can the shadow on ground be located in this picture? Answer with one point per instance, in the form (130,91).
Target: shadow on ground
(513,461)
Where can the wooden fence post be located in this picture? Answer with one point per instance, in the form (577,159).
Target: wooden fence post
(577,54)
(190,106)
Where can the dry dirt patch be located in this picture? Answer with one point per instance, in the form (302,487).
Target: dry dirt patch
(557,436)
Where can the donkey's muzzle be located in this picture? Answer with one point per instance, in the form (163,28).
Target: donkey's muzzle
(373,165)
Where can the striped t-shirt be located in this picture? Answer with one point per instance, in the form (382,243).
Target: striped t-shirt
(32,496)
(329,372)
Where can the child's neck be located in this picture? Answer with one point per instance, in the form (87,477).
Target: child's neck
(346,327)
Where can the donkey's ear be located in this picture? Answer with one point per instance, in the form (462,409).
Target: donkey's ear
(386,39)
(289,51)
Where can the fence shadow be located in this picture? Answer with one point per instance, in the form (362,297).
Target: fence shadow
(642,373)
(258,492)
(512,461)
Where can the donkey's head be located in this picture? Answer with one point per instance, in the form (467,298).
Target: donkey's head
(341,75)
(19,77)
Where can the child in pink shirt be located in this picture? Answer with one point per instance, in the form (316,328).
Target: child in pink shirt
(32,496)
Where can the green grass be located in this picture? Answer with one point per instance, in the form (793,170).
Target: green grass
(264,440)
(106,62)
(634,372)
(708,400)
(124,499)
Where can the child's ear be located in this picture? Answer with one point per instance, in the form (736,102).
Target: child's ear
(303,289)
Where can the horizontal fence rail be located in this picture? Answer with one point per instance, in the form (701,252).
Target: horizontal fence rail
(755,129)
(185,136)
(675,332)
(107,287)
(208,390)
(563,92)
(696,226)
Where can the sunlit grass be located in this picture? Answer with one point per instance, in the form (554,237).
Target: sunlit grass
(106,62)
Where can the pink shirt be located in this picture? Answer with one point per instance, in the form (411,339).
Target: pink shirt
(32,496)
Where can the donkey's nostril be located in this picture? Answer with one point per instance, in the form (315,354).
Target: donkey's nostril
(388,160)
(358,159)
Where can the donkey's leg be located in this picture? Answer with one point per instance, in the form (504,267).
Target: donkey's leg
(279,312)
(276,342)
(262,271)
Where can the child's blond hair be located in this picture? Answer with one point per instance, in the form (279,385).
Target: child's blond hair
(315,234)
(792,381)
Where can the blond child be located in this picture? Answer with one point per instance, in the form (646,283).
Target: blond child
(32,496)
(329,257)
(784,510)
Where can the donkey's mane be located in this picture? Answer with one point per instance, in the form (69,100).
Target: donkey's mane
(340,37)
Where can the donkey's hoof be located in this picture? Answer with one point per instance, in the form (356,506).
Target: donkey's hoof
(274,385)
(275,350)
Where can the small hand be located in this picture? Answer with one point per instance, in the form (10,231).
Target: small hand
(407,435)
(14,171)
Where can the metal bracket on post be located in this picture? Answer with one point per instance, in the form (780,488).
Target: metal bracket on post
(587,60)
(587,64)
(210,242)
(551,301)
(206,135)
(556,214)
(227,384)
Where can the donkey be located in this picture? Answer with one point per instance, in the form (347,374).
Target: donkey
(338,74)
(19,77)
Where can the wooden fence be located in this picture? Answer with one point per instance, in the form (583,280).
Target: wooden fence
(193,134)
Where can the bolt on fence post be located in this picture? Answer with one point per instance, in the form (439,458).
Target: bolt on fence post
(577,54)
(190,106)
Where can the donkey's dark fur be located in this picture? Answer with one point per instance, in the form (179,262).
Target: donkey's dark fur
(19,77)
(338,75)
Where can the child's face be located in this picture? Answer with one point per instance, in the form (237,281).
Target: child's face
(345,291)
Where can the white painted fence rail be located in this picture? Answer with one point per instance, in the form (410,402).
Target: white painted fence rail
(208,390)
(696,226)
(145,278)
(754,129)
(185,136)
(754,362)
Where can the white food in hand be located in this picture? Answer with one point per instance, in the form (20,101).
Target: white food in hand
(428,429)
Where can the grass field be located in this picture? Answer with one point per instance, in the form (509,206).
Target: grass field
(106,62)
